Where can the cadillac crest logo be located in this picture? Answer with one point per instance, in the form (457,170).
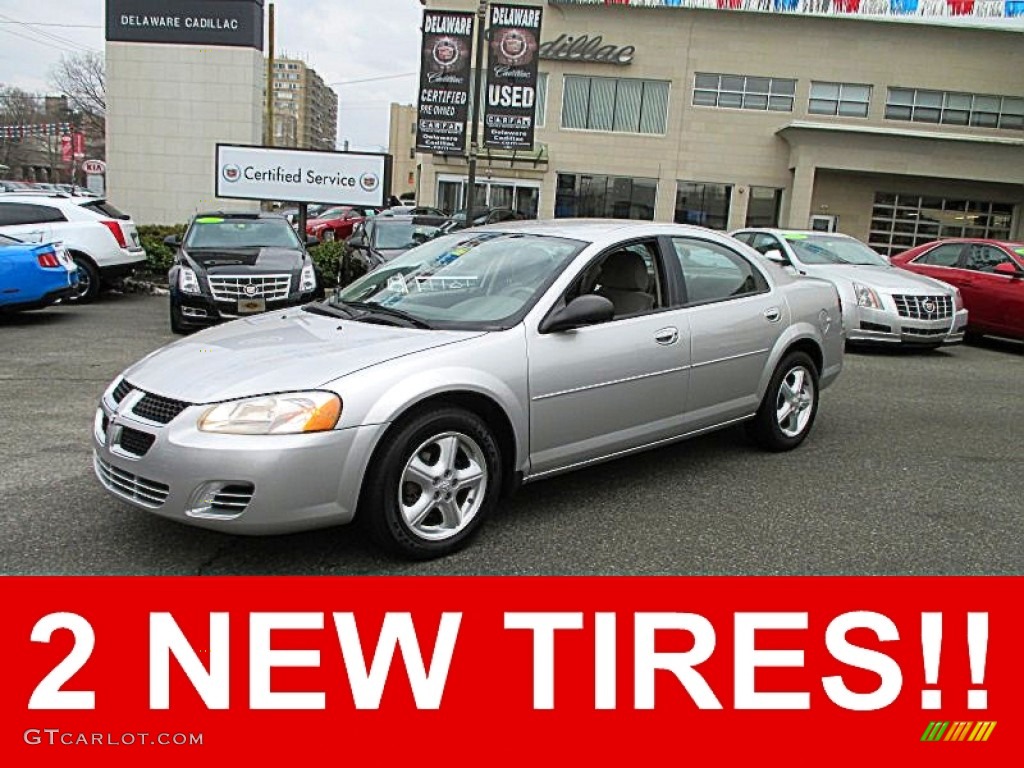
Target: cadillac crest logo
(369,182)
(250,290)
(446,53)
(929,306)
(231,173)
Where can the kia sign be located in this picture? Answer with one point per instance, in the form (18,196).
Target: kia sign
(94,166)
(187,22)
(302,176)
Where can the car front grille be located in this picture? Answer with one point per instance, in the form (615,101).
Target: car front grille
(135,442)
(910,331)
(121,390)
(235,287)
(148,493)
(161,410)
(924,307)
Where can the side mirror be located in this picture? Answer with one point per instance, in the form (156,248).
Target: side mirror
(776,255)
(172,241)
(581,311)
(311,241)
(1005,268)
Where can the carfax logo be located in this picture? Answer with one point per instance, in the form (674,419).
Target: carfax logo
(231,173)
(369,182)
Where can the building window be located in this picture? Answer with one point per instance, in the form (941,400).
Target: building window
(616,197)
(703,204)
(842,99)
(901,221)
(542,97)
(774,94)
(950,108)
(763,207)
(621,105)
(412,153)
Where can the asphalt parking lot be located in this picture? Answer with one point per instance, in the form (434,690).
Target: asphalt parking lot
(914,466)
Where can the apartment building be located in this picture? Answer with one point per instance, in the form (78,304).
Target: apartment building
(305,107)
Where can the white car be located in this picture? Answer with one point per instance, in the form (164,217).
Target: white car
(103,241)
(881,303)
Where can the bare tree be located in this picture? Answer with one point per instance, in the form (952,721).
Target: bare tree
(17,108)
(82,78)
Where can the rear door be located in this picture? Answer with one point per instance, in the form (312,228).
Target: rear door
(735,318)
(29,222)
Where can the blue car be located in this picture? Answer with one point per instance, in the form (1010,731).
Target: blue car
(33,276)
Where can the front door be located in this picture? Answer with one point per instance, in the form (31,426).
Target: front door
(607,388)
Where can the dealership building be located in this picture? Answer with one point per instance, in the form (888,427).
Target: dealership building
(896,122)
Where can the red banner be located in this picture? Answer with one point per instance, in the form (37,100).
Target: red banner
(534,671)
(65,149)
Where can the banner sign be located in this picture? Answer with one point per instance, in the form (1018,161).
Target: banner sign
(510,109)
(513,671)
(445,82)
(953,12)
(189,22)
(34,130)
(302,176)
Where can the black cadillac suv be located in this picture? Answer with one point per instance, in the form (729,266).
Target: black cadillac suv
(231,265)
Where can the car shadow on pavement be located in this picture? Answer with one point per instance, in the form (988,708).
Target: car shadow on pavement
(898,351)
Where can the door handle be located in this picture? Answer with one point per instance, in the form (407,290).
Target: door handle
(772,314)
(667,336)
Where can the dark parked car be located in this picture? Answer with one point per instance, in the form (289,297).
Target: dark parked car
(231,265)
(482,216)
(379,240)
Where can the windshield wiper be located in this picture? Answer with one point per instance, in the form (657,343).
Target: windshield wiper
(380,309)
(328,310)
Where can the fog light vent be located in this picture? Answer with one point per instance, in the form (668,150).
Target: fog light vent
(220,500)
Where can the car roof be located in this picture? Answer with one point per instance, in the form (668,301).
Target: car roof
(237,215)
(788,231)
(1011,244)
(594,230)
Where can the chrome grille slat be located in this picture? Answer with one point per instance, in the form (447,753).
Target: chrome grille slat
(121,390)
(131,487)
(232,287)
(913,307)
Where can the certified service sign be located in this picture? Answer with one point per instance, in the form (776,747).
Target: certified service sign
(302,176)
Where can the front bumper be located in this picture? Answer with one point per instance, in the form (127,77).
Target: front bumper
(202,311)
(883,326)
(243,484)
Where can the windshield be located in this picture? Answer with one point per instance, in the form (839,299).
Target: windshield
(402,234)
(215,232)
(467,279)
(826,249)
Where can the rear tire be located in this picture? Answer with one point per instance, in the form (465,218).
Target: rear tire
(432,484)
(88,287)
(789,406)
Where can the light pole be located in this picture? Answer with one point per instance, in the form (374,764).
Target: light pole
(481,38)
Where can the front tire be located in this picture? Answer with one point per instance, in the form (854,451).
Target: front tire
(789,406)
(88,287)
(432,484)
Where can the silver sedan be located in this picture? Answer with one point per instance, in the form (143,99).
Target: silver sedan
(882,304)
(480,360)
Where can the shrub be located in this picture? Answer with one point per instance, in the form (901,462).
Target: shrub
(159,257)
(328,259)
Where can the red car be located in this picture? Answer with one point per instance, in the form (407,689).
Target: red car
(337,223)
(989,274)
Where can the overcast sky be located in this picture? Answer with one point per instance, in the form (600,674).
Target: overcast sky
(343,40)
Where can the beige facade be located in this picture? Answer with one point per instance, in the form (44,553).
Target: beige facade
(847,167)
(305,108)
(402,147)
(166,112)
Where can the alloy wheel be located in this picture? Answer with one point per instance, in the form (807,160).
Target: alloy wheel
(443,486)
(795,401)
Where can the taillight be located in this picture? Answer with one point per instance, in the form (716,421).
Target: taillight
(115,230)
(48,259)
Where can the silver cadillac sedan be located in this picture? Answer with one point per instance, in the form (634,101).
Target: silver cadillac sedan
(882,304)
(418,395)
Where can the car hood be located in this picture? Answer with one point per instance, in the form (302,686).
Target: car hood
(280,351)
(888,279)
(234,260)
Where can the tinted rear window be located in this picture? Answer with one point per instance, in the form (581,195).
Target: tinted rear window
(103,208)
(24,213)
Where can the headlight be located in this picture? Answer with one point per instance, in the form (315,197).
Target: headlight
(958,300)
(289,413)
(307,282)
(866,297)
(187,280)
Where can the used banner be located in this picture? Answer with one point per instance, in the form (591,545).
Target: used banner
(511,671)
(510,110)
(445,81)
